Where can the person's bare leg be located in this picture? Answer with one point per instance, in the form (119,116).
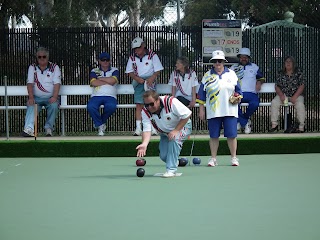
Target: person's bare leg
(232,144)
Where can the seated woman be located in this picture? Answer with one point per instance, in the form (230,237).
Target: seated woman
(290,85)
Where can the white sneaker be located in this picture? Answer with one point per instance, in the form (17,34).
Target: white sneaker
(168,175)
(247,128)
(154,132)
(137,132)
(212,162)
(27,132)
(235,162)
(102,129)
(48,132)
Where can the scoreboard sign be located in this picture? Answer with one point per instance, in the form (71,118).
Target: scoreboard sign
(220,34)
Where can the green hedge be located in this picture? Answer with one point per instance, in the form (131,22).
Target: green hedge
(126,148)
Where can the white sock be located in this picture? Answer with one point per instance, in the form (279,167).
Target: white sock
(138,124)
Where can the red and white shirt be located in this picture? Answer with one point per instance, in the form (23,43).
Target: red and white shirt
(146,66)
(184,84)
(44,81)
(172,111)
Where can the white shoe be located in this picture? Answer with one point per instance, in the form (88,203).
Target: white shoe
(137,132)
(168,175)
(102,129)
(212,162)
(48,132)
(27,132)
(235,162)
(247,128)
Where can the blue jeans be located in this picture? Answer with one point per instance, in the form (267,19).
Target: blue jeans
(170,150)
(52,113)
(253,100)
(93,107)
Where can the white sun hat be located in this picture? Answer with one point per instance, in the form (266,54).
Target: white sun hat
(218,54)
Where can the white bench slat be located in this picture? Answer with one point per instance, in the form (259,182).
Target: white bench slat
(14,91)
(122,89)
(268,88)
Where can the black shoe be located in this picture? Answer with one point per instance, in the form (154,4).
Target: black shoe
(272,130)
(289,130)
(297,131)
(24,134)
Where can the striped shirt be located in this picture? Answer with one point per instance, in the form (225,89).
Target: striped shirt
(172,111)
(184,84)
(44,81)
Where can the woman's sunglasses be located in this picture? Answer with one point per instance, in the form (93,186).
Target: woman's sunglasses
(217,60)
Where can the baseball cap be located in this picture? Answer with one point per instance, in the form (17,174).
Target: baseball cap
(136,42)
(104,55)
(244,51)
(218,54)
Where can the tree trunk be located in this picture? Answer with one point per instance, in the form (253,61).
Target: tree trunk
(135,15)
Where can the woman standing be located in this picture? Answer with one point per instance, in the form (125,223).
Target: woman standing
(221,92)
(289,86)
(184,82)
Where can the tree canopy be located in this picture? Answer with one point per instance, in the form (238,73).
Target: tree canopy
(68,13)
(263,11)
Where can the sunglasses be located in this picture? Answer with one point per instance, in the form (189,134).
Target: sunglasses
(217,60)
(149,104)
(44,57)
(104,60)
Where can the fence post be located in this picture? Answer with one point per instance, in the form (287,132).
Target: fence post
(179,28)
(6,102)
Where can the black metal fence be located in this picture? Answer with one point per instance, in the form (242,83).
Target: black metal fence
(75,50)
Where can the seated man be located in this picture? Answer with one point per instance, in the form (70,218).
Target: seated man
(103,79)
(43,84)
(251,79)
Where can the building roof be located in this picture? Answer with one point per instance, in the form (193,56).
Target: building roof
(287,23)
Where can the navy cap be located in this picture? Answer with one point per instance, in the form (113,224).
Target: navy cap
(104,55)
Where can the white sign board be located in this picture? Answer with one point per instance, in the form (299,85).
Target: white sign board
(221,34)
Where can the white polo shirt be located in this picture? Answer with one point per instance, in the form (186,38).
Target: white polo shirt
(44,81)
(172,111)
(184,84)
(146,66)
(106,89)
(248,76)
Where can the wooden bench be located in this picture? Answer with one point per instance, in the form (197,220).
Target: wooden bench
(123,89)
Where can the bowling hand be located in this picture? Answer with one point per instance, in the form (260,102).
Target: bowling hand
(141,150)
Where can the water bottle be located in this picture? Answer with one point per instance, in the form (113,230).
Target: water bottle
(286,102)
